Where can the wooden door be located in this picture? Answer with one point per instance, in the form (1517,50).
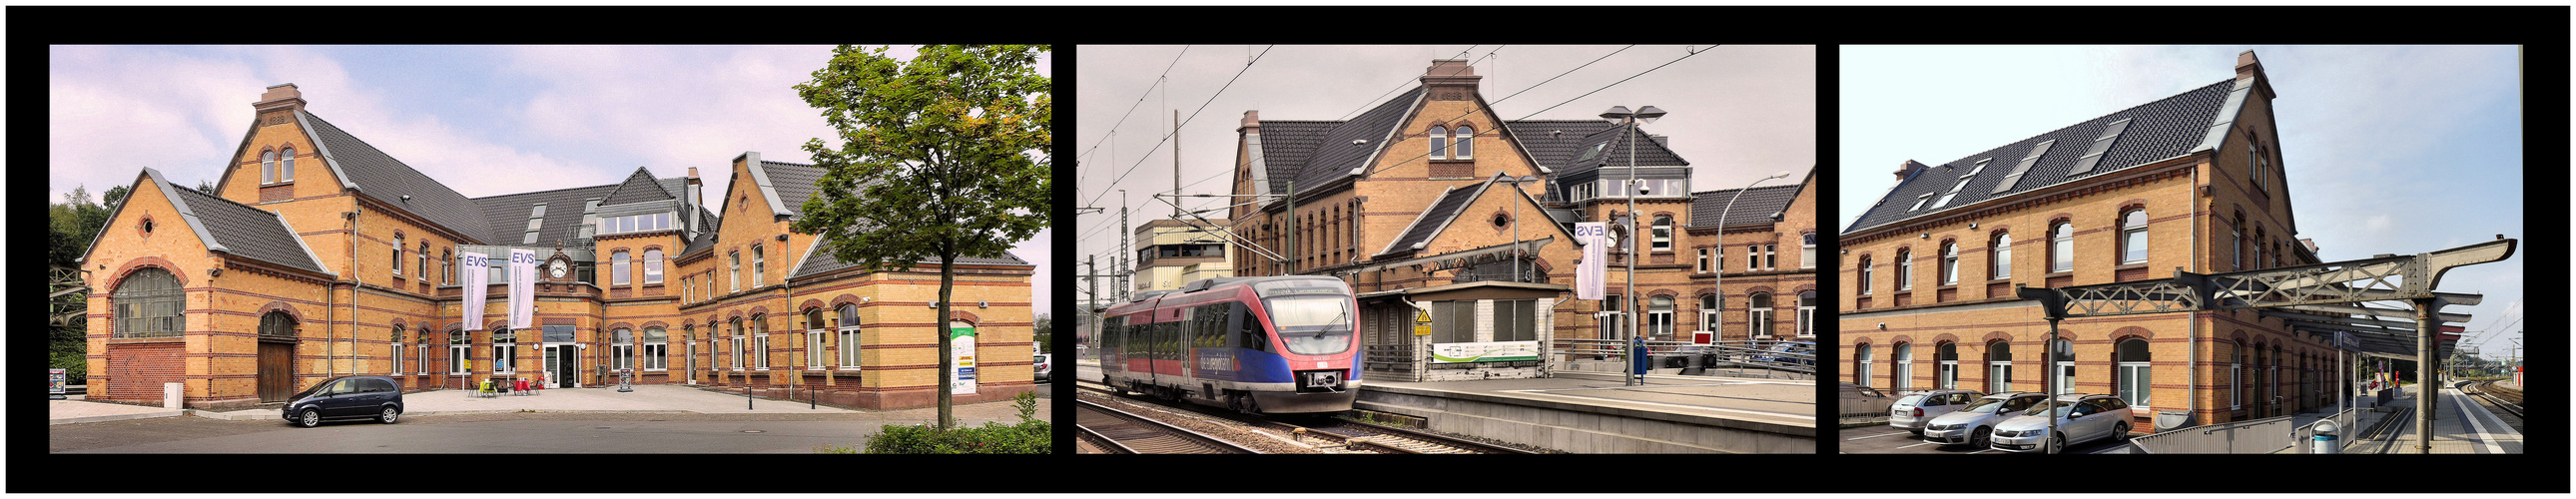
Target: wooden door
(276,371)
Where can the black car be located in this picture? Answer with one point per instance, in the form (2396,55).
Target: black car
(343,398)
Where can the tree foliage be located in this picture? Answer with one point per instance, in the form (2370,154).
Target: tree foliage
(940,157)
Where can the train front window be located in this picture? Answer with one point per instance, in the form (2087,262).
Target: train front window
(1312,325)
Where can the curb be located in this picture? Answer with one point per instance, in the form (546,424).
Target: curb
(117,417)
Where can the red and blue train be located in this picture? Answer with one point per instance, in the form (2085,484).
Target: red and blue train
(1262,345)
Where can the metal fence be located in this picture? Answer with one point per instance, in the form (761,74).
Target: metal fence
(2271,435)
(1769,355)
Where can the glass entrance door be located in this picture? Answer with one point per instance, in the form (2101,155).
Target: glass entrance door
(559,365)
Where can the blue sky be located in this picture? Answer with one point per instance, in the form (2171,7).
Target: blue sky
(571,115)
(2386,149)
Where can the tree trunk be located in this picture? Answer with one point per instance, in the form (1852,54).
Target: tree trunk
(947,372)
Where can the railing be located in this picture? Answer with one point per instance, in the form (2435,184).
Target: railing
(2258,436)
(1764,354)
(1387,357)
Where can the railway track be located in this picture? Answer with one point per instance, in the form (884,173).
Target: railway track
(1119,432)
(1329,435)
(2503,399)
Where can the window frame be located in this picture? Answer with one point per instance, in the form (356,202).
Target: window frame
(1904,269)
(2061,247)
(1999,261)
(1663,233)
(617,269)
(1439,142)
(2133,237)
(1462,145)
(1758,316)
(133,305)
(1949,263)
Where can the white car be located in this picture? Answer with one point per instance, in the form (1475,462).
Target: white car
(1974,424)
(1045,366)
(1915,409)
(2080,418)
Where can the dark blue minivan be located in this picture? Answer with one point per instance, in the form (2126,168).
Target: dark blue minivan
(345,398)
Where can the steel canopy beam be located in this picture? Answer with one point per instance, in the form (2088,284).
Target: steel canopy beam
(2391,278)
(2358,309)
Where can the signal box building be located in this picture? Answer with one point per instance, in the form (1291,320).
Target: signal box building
(1173,253)
(2191,182)
(319,255)
(1420,204)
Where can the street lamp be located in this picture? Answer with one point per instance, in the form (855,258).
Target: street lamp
(1516,220)
(1720,280)
(1626,118)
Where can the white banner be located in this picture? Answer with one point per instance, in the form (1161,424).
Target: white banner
(476,270)
(523,288)
(1487,351)
(1588,274)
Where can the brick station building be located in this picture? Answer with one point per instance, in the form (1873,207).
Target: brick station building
(286,276)
(1415,204)
(2190,182)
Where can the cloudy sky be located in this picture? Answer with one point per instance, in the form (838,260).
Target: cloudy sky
(1738,113)
(485,120)
(2396,150)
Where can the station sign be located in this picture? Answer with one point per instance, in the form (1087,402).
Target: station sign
(1483,351)
(1589,272)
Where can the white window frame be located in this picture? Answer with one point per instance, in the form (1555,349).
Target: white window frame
(398,242)
(398,351)
(420,363)
(1998,372)
(456,355)
(1807,314)
(1949,263)
(1703,261)
(2136,375)
(734,262)
(759,265)
(2000,261)
(1946,376)
(286,164)
(735,341)
(1439,142)
(2133,237)
(652,266)
(759,344)
(1860,365)
(1771,257)
(1757,325)
(1463,145)
(267,167)
(657,353)
(1807,251)
(1904,379)
(1904,270)
(849,336)
(1659,322)
(1865,272)
(2061,247)
(505,358)
(617,269)
(1710,313)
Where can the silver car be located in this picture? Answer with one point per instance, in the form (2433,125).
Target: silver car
(1975,423)
(2081,418)
(1914,409)
(1863,401)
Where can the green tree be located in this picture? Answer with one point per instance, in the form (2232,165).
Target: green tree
(1045,333)
(941,157)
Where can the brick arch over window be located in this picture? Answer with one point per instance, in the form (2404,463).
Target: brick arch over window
(1666,293)
(1802,288)
(1760,289)
(1901,339)
(810,304)
(2131,332)
(844,298)
(968,317)
(732,315)
(762,310)
(1945,338)
(141,262)
(1995,336)
(688,323)
(1997,230)
(289,309)
(656,324)
(496,325)
(619,325)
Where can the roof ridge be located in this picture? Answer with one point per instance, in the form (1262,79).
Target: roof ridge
(2193,90)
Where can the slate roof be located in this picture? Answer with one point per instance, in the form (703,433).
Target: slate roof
(1757,205)
(1285,145)
(818,261)
(1317,152)
(1442,212)
(1551,148)
(1335,156)
(2158,130)
(793,183)
(507,214)
(1611,140)
(386,179)
(639,187)
(241,230)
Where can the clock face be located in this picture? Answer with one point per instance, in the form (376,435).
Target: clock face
(557,269)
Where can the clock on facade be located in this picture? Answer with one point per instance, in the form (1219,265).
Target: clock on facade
(557,269)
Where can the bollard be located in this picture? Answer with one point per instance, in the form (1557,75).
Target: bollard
(2326,442)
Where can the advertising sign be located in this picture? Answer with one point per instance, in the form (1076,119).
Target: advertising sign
(1485,351)
(59,378)
(523,288)
(1589,273)
(474,270)
(961,351)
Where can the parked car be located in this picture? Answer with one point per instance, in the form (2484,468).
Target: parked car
(1790,352)
(1045,366)
(1914,409)
(1975,424)
(1860,400)
(2080,418)
(345,398)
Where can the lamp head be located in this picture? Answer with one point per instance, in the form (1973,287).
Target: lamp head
(1650,113)
(1617,114)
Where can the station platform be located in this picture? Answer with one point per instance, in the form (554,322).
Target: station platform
(1596,413)
(2460,426)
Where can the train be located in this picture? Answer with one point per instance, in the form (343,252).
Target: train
(1258,345)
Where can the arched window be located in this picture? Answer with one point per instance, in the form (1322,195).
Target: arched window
(396,352)
(2002,256)
(1904,269)
(1947,375)
(1759,325)
(1949,263)
(2236,376)
(849,335)
(1998,367)
(1439,142)
(1465,146)
(286,165)
(448,258)
(1904,367)
(1659,316)
(1708,313)
(2064,353)
(2135,372)
(2133,237)
(617,268)
(277,324)
(398,240)
(422,352)
(760,342)
(149,304)
(1860,365)
(1663,232)
(653,266)
(422,257)
(1864,275)
(267,167)
(1807,314)
(2061,247)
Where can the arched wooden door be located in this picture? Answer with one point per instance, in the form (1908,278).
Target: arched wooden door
(276,357)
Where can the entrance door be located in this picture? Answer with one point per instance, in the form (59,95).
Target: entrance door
(276,371)
(559,365)
(693,362)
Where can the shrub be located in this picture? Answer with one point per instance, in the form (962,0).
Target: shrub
(1030,436)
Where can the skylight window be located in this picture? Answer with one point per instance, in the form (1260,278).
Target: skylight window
(2101,144)
(2023,168)
(1918,203)
(1963,183)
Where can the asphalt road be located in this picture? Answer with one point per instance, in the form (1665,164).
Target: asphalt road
(481,433)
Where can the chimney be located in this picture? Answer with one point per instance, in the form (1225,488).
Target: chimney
(1251,122)
(1907,170)
(278,98)
(697,195)
(2247,66)
(1450,79)
(2310,243)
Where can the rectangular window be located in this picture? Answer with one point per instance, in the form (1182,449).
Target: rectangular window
(505,357)
(1918,203)
(1703,260)
(2133,384)
(456,358)
(849,347)
(734,263)
(1807,252)
(656,356)
(398,357)
(1770,257)
(422,359)
(617,268)
(653,266)
(760,352)
(736,343)
(759,265)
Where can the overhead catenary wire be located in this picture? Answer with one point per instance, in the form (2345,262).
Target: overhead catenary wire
(1131,108)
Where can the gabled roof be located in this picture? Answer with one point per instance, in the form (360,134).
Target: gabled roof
(1336,155)
(1555,143)
(232,228)
(1755,205)
(1613,144)
(791,185)
(1445,210)
(1285,146)
(386,179)
(639,187)
(507,214)
(2155,131)
(1314,153)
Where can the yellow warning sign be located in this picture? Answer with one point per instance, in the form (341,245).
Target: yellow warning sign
(1422,323)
